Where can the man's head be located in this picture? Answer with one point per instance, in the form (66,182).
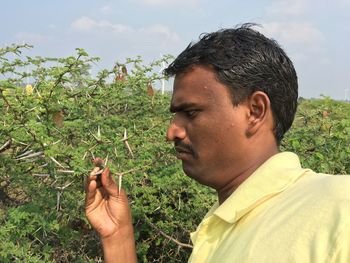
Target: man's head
(235,95)
(246,61)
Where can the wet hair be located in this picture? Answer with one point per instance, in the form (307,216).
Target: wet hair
(246,61)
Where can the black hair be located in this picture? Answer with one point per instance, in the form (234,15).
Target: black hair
(246,61)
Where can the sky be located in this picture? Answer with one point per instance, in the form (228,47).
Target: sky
(314,33)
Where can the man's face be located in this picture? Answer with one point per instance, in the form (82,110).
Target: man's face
(208,131)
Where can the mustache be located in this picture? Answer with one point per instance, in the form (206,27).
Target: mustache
(185,147)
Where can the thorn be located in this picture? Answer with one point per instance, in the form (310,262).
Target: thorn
(98,133)
(125,140)
(120,177)
(129,149)
(106,160)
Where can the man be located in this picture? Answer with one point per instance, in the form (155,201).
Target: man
(235,95)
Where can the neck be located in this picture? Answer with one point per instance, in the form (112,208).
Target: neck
(225,191)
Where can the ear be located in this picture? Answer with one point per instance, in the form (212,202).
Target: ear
(259,111)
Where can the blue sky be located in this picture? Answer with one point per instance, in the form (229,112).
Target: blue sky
(315,34)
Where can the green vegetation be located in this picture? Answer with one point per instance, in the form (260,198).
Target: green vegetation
(50,130)
(321,135)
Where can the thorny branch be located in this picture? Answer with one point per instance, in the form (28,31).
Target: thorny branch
(180,244)
(59,193)
(32,155)
(6,145)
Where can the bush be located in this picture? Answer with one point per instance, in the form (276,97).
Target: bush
(53,127)
(321,135)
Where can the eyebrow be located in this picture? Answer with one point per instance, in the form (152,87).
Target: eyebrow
(181,106)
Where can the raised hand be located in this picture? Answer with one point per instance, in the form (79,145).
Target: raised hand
(108,212)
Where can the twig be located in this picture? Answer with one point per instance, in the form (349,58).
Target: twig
(59,193)
(137,169)
(56,162)
(115,152)
(96,137)
(41,175)
(84,155)
(56,142)
(25,153)
(30,156)
(22,143)
(6,145)
(5,100)
(54,182)
(26,146)
(63,187)
(43,165)
(58,201)
(66,171)
(39,240)
(169,237)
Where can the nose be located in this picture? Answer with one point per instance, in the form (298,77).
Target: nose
(175,131)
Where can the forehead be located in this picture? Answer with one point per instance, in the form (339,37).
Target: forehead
(198,85)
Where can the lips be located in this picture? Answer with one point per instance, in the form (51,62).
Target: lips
(182,149)
(182,153)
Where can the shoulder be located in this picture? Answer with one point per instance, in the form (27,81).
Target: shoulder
(319,195)
(333,185)
(327,191)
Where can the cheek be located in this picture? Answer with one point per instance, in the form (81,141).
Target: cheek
(227,138)
(218,131)
(209,139)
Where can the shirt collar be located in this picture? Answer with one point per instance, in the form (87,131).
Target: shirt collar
(272,177)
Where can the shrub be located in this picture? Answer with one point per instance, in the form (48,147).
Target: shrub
(53,126)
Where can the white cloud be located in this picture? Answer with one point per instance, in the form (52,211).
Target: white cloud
(288,21)
(133,39)
(299,33)
(287,8)
(83,24)
(160,32)
(106,9)
(302,40)
(87,24)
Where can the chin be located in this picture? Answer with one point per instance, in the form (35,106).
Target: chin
(195,174)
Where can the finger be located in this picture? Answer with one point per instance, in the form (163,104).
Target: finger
(91,190)
(89,178)
(108,183)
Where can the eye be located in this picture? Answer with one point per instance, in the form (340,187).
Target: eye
(191,113)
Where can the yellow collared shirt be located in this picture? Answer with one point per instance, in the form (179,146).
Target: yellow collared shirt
(281,213)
